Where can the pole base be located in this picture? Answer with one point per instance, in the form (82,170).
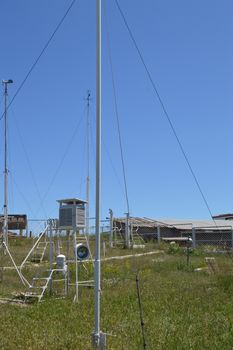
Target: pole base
(99,340)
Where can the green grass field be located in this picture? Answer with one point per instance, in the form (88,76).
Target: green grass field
(182,309)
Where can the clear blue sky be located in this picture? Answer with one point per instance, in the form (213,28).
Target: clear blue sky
(188,48)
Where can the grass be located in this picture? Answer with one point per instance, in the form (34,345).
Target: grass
(182,309)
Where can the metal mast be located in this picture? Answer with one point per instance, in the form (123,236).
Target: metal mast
(5,225)
(88,166)
(98,336)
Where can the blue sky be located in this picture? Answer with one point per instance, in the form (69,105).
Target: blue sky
(188,48)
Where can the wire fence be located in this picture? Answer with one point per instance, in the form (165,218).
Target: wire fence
(221,238)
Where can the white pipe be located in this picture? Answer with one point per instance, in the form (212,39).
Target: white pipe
(34,246)
(50,252)
(111,228)
(76,267)
(23,279)
(5,225)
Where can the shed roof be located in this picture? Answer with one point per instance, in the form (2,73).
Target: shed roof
(183,225)
(223,216)
(71,201)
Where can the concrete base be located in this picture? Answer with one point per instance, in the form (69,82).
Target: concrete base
(138,246)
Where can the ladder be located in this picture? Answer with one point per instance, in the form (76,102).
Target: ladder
(39,252)
(118,238)
(212,265)
(137,239)
(40,284)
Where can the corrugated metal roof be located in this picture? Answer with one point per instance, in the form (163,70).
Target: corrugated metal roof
(178,224)
(199,224)
(135,221)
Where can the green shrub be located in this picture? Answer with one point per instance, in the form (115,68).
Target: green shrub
(174,248)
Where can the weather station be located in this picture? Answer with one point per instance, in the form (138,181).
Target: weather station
(72,218)
(72,214)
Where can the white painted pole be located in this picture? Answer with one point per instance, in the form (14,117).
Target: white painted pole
(194,237)
(5,224)
(96,335)
(104,249)
(50,245)
(23,279)
(50,252)
(158,234)
(34,246)
(111,228)
(76,267)
(88,169)
(127,231)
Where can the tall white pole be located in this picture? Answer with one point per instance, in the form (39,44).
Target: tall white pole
(5,224)
(98,174)
(88,168)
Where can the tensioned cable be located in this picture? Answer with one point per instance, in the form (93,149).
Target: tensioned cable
(117,114)
(164,108)
(105,148)
(92,143)
(28,162)
(61,161)
(22,195)
(113,167)
(82,164)
(10,167)
(71,139)
(2,99)
(40,55)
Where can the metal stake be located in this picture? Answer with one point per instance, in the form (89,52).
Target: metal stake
(141,313)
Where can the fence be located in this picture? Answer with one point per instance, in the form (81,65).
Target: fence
(221,236)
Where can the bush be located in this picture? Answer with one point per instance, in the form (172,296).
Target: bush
(182,266)
(174,248)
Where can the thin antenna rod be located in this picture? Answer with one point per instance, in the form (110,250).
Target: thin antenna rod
(88,164)
(5,224)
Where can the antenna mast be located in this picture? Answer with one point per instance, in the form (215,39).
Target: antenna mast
(88,165)
(98,337)
(5,224)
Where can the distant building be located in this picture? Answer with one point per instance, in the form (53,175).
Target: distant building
(15,222)
(223,217)
(208,232)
